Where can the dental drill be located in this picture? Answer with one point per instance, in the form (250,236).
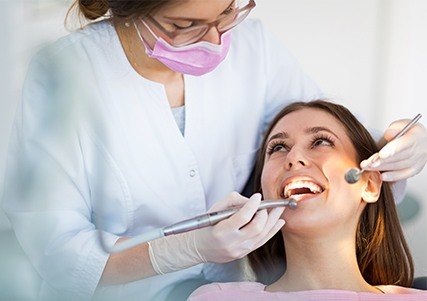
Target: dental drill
(353,175)
(198,222)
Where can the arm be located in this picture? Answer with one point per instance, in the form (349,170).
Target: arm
(47,195)
(127,266)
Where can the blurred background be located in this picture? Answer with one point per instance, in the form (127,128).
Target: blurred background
(370,55)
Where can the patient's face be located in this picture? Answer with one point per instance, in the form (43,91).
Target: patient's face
(308,153)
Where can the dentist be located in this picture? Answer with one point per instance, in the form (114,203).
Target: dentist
(148,116)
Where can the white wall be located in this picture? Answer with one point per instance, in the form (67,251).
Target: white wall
(334,40)
(369,54)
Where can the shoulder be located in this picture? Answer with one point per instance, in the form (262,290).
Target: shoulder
(209,291)
(395,289)
(78,44)
(69,57)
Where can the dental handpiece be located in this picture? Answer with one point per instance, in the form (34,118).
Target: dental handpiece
(201,221)
(212,218)
(353,174)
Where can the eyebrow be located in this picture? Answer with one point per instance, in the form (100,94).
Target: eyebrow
(281,135)
(311,130)
(194,19)
(316,129)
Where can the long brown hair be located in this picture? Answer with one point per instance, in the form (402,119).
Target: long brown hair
(382,253)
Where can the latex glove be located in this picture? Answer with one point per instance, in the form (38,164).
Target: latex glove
(403,157)
(228,240)
(241,233)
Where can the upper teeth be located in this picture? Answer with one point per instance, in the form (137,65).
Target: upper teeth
(314,188)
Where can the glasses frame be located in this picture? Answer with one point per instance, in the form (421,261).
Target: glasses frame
(207,26)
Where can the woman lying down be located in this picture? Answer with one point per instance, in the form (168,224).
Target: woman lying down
(343,241)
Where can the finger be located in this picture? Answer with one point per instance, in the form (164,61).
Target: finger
(405,154)
(394,128)
(395,166)
(271,220)
(274,225)
(365,164)
(256,225)
(392,176)
(234,199)
(276,228)
(396,146)
(376,162)
(245,214)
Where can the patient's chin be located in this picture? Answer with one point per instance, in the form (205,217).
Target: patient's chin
(306,222)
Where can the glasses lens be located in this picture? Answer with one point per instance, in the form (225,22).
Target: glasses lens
(189,36)
(235,18)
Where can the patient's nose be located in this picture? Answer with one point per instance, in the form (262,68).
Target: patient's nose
(295,159)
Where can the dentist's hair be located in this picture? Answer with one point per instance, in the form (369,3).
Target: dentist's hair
(382,253)
(116,9)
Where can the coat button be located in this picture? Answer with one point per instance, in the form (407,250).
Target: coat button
(192,173)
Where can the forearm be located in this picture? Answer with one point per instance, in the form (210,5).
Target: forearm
(127,266)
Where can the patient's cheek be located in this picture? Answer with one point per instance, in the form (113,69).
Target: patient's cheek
(267,183)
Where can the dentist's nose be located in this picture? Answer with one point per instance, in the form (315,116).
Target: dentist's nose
(212,36)
(295,159)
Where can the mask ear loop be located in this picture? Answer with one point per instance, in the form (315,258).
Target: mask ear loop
(140,35)
(146,26)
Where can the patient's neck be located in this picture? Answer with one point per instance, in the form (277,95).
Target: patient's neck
(321,263)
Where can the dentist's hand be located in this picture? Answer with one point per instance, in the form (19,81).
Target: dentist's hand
(403,157)
(241,233)
(228,240)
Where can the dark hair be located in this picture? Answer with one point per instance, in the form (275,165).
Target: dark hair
(118,9)
(382,253)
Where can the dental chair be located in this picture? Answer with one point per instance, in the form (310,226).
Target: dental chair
(420,283)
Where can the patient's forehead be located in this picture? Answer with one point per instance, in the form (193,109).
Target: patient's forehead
(297,122)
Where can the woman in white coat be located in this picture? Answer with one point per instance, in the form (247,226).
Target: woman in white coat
(143,119)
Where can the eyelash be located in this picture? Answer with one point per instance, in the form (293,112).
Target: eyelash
(323,137)
(272,146)
(229,10)
(180,27)
(329,139)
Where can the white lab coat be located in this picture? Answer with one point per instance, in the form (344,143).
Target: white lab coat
(95,148)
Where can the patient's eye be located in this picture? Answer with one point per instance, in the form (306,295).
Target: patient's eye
(277,146)
(322,140)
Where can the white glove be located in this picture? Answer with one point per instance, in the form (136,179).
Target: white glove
(228,240)
(403,157)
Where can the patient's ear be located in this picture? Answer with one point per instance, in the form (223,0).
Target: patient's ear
(371,188)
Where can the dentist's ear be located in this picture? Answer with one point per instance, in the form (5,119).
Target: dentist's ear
(371,187)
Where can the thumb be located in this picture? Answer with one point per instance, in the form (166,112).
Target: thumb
(394,128)
(233,199)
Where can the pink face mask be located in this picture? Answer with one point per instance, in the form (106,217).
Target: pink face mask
(194,59)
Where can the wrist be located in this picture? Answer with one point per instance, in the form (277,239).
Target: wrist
(174,253)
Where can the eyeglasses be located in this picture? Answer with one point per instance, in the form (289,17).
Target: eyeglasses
(186,36)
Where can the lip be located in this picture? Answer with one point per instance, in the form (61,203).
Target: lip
(301,178)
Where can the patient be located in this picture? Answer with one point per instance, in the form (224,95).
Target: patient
(343,241)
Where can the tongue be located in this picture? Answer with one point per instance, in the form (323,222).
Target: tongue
(300,191)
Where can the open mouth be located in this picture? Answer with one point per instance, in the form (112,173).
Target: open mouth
(301,188)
